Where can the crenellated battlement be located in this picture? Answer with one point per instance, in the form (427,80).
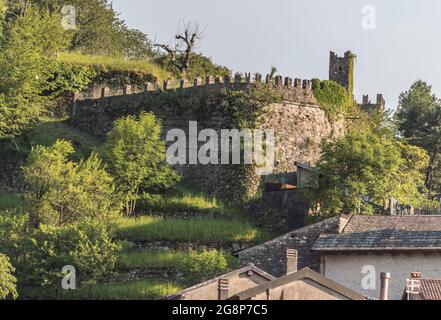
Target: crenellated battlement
(294,88)
(369,107)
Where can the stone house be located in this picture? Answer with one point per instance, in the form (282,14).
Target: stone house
(305,284)
(271,256)
(225,286)
(362,247)
(251,283)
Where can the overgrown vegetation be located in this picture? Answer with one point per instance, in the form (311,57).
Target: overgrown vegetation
(178,260)
(365,169)
(7,280)
(333,98)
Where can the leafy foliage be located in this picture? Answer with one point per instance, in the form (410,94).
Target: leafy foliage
(7,280)
(205,265)
(419,121)
(29,46)
(63,192)
(333,98)
(136,157)
(364,168)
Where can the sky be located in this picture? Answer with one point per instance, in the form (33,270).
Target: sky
(399,46)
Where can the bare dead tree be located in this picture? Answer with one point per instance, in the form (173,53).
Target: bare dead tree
(185,44)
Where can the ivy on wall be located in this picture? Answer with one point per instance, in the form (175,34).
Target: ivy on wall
(333,98)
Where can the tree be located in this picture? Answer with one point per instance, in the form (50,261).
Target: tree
(365,168)
(419,121)
(61,192)
(42,253)
(7,280)
(99,30)
(181,53)
(30,44)
(136,157)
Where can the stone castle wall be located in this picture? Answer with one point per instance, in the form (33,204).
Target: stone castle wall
(298,122)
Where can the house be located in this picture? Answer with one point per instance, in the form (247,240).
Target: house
(362,247)
(397,244)
(302,285)
(419,288)
(225,286)
(271,256)
(251,283)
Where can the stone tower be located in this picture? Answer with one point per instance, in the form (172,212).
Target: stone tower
(341,70)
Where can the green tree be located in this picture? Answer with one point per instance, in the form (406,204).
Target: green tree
(136,157)
(7,279)
(29,44)
(419,122)
(364,168)
(62,192)
(99,30)
(43,252)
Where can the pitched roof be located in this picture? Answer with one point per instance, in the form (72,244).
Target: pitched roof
(430,289)
(395,233)
(229,275)
(300,275)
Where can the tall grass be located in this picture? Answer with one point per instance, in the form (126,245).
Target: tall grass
(185,202)
(136,290)
(150,228)
(106,63)
(50,130)
(162,259)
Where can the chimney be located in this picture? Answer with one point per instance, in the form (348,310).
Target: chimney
(384,291)
(224,289)
(291,261)
(345,217)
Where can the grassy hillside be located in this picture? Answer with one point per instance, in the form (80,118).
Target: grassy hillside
(108,64)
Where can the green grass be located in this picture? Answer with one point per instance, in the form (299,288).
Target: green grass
(162,259)
(10,200)
(149,228)
(136,290)
(185,202)
(50,130)
(105,64)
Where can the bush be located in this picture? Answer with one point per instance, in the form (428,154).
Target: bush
(201,266)
(7,280)
(166,259)
(63,192)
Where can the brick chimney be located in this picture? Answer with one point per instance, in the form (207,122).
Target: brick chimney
(291,260)
(384,291)
(224,289)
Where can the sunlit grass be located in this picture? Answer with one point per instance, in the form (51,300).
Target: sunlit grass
(148,228)
(162,259)
(106,63)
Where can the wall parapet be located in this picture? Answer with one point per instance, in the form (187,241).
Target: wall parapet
(238,82)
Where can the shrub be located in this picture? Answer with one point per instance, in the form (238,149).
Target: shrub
(7,280)
(201,266)
(63,192)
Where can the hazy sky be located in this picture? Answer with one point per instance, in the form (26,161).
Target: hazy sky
(297,35)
